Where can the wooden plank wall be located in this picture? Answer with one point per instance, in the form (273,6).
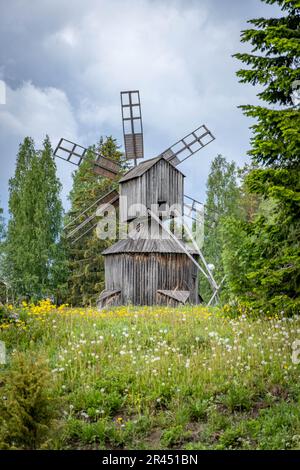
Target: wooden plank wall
(162,182)
(140,275)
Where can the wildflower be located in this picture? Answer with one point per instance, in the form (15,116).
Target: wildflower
(212,334)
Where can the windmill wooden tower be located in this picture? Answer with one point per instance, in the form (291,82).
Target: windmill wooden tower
(150,266)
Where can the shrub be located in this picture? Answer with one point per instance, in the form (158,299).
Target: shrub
(26,410)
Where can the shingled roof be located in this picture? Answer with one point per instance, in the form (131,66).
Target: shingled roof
(141,168)
(130,245)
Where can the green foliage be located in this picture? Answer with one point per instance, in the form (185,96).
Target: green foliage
(35,222)
(2,227)
(2,235)
(237,398)
(26,410)
(6,315)
(222,201)
(85,263)
(199,410)
(174,436)
(266,249)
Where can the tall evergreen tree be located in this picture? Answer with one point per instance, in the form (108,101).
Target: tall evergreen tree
(2,279)
(15,249)
(86,266)
(49,211)
(34,225)
(271,251)
(222,200)
(2,231)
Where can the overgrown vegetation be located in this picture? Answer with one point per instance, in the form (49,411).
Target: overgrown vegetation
(189,378)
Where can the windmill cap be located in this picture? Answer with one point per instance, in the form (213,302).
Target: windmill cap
(142,167)
(166,246)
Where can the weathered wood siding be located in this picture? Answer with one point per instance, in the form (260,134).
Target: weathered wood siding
(161,183)
(140,275)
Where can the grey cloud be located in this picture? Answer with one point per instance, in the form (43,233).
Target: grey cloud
(66,61)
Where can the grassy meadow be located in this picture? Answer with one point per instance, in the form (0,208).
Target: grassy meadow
(147,378)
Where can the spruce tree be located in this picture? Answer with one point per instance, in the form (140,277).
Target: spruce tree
(2,229)
(49,212)
(271,243)
(15,249)
(2,280)
(85,262)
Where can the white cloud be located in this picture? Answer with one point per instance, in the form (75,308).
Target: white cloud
(35,112)
(32,111)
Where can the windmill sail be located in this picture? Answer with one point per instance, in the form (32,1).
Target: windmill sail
(75,229)
(132,124)
(194,208)
(75,154)
(188,145)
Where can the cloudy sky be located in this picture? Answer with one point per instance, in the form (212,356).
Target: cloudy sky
(64,63)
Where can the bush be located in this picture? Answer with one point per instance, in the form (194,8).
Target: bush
(26,410)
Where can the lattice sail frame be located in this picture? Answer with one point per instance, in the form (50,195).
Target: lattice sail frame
(132,125)
(188,145)
(134,148)
(77,227)
(75,154)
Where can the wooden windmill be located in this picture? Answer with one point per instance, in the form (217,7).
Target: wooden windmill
(150,266)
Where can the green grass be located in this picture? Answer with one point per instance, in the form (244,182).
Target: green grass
(151,378)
